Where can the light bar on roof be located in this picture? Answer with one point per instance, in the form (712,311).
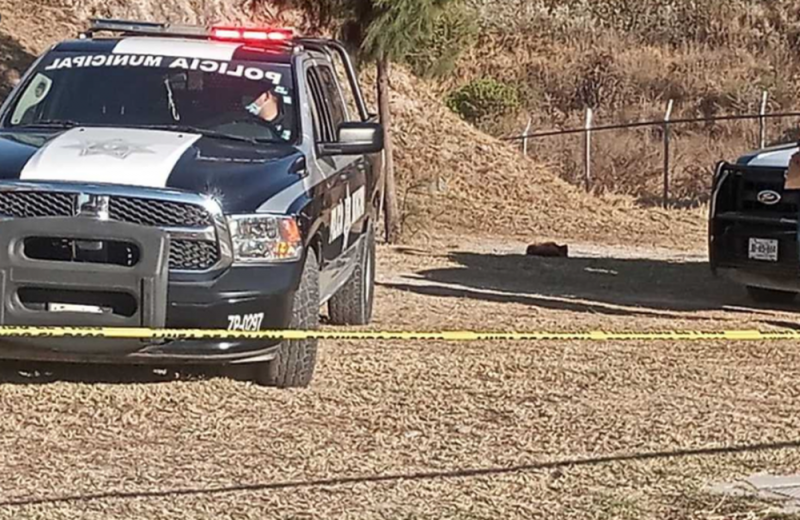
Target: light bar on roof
(146,28)
(250,35)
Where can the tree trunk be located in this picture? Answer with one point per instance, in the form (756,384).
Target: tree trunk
(392,214)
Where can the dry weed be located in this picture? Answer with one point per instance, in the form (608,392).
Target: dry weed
(626,60)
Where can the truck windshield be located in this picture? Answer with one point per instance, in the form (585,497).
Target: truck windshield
(250,100)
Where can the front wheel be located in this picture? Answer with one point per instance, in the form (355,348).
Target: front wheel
(762,295)
(353,302)
(293,367)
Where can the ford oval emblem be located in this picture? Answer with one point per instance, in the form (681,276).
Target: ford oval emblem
(768,197)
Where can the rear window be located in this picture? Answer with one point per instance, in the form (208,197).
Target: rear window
(248,99)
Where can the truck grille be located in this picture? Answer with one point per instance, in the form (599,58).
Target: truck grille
(187,255)
(740,216)
(191,255)
(28,204)
(149,212)
(748,197)
(146,212)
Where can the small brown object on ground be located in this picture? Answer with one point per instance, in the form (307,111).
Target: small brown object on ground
(548,249)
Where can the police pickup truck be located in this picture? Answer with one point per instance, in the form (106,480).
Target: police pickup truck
(753,226)
(164,176)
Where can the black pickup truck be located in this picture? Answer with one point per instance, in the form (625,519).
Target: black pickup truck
(154,175)
(753,226)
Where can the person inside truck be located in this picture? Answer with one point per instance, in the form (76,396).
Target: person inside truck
(251,113)
(268,106)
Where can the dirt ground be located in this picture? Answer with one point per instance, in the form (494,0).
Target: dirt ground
(435,430)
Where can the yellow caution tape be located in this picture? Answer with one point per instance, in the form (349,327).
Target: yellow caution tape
(189,334)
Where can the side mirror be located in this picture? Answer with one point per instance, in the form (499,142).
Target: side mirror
(355,139)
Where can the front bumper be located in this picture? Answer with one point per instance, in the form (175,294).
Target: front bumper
(240,297)
(729,256)
(764,280)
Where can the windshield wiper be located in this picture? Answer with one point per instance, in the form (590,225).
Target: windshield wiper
(202,131)
(51,123)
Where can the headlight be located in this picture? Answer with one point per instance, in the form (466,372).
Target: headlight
(265,238)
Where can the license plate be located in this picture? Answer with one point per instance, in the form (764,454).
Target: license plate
(763,249)
(70,307)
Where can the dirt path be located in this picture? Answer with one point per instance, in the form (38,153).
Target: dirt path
(598,287)
(437,430)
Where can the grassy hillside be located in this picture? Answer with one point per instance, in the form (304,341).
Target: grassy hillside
(626,59)
(453,177)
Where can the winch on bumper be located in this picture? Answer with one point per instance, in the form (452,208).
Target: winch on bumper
(92,288)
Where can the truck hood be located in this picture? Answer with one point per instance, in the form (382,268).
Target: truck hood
(775,157)
(239,174)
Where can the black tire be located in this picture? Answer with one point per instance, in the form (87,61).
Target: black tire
(762,295)
(353,302)
(294,365)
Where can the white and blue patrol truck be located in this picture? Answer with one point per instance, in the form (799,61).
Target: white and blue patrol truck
(163,176)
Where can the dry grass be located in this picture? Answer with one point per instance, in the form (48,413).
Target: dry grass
(626,60)
(452,176)
(434,430)
(631,162)
(460,179)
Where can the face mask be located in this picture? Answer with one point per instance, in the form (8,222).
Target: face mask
(254,108)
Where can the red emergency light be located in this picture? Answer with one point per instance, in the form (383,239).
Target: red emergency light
(250,35)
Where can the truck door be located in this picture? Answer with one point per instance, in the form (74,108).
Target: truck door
(344,206)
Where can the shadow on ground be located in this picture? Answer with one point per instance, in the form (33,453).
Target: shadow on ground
(27,373)
(613,286)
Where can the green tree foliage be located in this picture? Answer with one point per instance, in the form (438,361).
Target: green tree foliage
(454,30)
(394,28)
(383,31)
(483,98)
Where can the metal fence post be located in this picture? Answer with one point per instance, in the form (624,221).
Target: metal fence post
(762,127)
(525,137)
(587,147)
(667,117)
(666,124)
